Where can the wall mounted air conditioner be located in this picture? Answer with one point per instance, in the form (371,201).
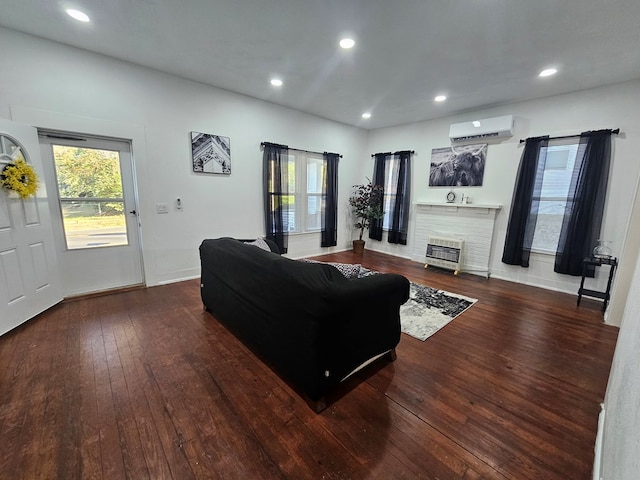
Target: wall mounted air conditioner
(495,127)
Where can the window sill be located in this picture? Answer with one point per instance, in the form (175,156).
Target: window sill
(297,234)
(546,253)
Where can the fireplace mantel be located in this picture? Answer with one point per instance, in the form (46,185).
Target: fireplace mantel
(471,222)
(459,205)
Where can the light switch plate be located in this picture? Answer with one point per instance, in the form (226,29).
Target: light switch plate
(162,208)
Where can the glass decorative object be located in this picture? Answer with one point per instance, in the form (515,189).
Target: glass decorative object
(602,249)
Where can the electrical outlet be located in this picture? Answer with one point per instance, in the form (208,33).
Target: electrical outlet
(162,208)
(178,204)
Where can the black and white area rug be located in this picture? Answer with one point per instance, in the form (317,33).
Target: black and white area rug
(429,309)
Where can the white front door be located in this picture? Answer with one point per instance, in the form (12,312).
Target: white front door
(29,280)
(95,219)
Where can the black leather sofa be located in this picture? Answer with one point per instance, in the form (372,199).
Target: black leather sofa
(307,321)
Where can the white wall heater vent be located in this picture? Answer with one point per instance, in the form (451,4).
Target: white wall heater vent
(444,253)
(495,127)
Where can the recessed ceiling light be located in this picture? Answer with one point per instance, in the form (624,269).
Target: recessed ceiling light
(78,15)
(366,115)
(276,82)
(476,123)
(440,98)
(548,72)
(347,43)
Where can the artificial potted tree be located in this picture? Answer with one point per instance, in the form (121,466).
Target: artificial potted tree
(366,204)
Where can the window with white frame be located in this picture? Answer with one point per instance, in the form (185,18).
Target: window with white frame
(391,168)
(304,204)
(554,194)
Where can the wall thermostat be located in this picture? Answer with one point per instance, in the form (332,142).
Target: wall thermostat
(451,197)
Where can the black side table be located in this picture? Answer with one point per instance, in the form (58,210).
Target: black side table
(597,262)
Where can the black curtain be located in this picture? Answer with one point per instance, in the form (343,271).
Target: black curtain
(375,227)
(525,203)
(275,161)
(329,233)
(585,205)
(400,208)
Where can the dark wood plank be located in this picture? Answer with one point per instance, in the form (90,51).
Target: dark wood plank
(146,384)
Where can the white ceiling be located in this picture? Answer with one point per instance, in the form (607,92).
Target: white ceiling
(480,53)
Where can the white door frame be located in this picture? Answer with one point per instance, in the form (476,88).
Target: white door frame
(89,270)
(51,120)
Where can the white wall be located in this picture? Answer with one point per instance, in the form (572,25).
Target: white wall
(621,432)
(54,86)
(606,107)
(51,83)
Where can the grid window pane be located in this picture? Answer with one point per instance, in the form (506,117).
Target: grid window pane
(314,208)
(388,202)
(292,174)
(548,225)
(315,174)
(554,195)
(289,207)
(91,198)
(303,206)
(390,190)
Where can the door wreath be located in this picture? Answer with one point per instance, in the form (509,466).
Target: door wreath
(19,177)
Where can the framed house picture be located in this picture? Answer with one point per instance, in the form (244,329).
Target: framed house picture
(210,153)
(461,166)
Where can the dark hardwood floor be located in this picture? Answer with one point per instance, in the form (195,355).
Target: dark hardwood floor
(145,384)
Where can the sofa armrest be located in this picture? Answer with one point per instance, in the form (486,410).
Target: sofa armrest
(390,287)
(272,245)
(365,321)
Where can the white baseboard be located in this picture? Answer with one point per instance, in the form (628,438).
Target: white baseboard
(597,461)
(176,280)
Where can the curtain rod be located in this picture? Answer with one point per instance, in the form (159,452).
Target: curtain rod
(296,149)
(614,132)
(393,153)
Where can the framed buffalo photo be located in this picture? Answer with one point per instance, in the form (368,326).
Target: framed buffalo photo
(210,153)
(461,166)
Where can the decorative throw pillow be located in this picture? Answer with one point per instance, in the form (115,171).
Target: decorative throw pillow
(260,243)
(349,270)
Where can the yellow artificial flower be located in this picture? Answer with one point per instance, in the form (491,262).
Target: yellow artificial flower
(20,177)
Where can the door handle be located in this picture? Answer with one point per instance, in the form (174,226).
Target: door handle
(133,212)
